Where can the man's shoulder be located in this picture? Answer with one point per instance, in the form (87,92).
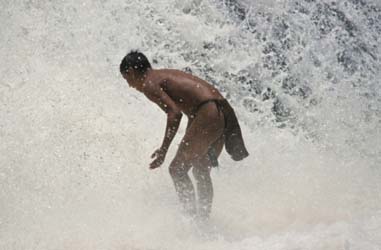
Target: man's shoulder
(167,73)
(154,82)
(161,77)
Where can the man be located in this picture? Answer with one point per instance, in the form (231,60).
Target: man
(211,124)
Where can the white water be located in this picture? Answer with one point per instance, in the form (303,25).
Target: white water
(75,141)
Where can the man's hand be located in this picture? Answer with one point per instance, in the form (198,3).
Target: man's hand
(159,156)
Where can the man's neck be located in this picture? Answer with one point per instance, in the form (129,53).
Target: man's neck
(139,82)
(143,78)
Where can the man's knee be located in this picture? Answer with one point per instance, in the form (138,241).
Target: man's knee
(178,169)
(173,171)
(200,172)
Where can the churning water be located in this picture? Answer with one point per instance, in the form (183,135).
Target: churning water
(75,141)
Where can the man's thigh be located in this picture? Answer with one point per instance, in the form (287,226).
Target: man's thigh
(204,131)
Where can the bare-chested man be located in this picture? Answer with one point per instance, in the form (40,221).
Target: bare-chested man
(211,124)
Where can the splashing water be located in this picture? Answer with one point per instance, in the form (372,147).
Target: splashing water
(75,140)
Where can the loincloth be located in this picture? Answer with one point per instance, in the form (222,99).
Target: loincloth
(234,143)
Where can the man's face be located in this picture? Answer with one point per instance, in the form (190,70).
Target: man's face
(129,76)
(125,76)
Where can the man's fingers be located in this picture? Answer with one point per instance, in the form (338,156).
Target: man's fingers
(155,164)
(155,154)
(158,159)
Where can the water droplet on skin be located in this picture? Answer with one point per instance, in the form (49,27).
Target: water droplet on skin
(180,100)
(198,85)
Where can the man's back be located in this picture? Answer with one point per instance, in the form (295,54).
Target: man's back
(186,90)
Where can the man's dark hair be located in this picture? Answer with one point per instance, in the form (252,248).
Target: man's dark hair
(136,60)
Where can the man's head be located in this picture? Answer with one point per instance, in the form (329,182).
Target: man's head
(134,66)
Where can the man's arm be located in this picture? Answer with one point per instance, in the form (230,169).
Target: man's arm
(174,115)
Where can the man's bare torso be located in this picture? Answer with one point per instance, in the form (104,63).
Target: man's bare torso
(186,91)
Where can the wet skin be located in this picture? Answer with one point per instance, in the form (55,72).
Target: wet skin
(180,91)
(177,93)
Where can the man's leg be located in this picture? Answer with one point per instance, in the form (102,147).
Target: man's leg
(178,170)
(204,184)
(201,173)
(202,132)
